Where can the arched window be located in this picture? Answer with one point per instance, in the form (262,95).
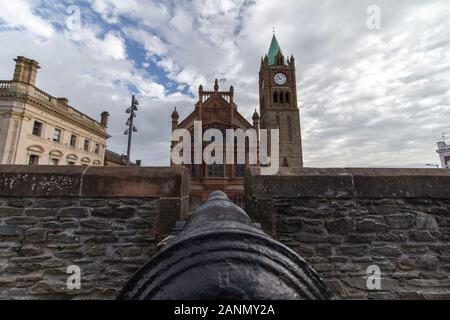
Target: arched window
(72,159)
(85,161)
(275,97)
(35,149)
(34,154)
(281,97)
(55,157)
(288,98)
(289,123)
(56,153)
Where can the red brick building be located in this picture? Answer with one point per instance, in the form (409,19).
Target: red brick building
(216,109)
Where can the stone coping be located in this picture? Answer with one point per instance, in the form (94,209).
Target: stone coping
(98,182)
(350,183)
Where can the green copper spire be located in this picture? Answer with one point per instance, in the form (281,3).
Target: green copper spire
(273,51)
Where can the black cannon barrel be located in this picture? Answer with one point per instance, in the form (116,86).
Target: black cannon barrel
(221,255)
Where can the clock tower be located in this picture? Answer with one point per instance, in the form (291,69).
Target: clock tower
(278,103)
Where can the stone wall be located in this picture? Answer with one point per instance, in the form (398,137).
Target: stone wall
(107,221)
(344,220)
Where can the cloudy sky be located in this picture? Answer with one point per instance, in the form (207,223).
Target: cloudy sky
(368,97)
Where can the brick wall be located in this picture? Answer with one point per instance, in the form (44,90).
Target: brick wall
(107,221)
(344,220)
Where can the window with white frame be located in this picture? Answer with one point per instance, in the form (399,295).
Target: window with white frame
(57,135)
(37,128)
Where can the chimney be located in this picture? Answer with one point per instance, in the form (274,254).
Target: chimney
(25,70)
(63,101)
(104,119)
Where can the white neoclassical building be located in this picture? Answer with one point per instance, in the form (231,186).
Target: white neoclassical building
(444,153)
(39,129)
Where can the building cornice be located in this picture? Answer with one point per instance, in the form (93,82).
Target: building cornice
(60,112)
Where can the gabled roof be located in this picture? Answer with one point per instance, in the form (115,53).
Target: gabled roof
(194,116)
(212,104)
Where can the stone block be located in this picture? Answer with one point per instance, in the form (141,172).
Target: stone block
(101,239)
(73,213)
(405,263)
(354,250)
(289,225)
(414,248)
(9,231)
(70,254)
(54,203)
(96,250)
(20,221)
(31,250)
(309,238)
(35,235)
(386,251)
(324,250)
(368,225)
(93,203)
(41,212)
(129,251)
(392,237)
(421,235)
(340,226)
(62,238)
(20,202)
(10,212)
(139,224)
(360,238)
(426,221)
(304,251)
(400,221)
(120,213)
(96,224)
(52,225)
(428,262)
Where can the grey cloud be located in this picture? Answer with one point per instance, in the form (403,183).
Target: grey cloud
(366,97)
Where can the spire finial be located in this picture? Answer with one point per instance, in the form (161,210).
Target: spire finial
(255,116)
(273,30)
(175,114)
(216,85)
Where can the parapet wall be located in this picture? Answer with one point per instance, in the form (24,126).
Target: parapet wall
(342,221)
(106,221)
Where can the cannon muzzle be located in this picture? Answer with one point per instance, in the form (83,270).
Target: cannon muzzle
(219,254)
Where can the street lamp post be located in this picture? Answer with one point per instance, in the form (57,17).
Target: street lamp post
(131,128)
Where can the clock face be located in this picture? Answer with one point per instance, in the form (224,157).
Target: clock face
(279,78)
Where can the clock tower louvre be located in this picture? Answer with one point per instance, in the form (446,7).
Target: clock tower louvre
(278,103)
